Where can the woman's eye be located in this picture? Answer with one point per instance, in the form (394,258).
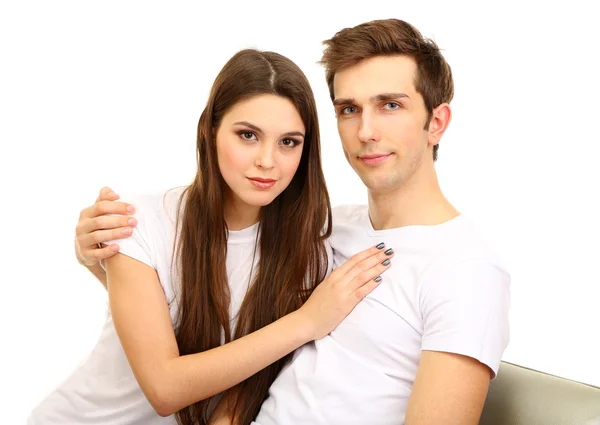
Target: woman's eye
(247,135)
(289,143)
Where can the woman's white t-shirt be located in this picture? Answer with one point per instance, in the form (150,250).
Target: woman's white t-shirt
(102,389)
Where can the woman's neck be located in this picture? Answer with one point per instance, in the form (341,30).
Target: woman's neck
(239,215)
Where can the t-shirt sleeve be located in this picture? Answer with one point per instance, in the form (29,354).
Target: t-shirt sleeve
(465,311)
(139,245)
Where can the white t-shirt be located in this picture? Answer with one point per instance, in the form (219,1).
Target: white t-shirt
(103,390)
(445,291)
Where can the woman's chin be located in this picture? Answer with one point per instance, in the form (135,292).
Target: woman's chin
(260,199)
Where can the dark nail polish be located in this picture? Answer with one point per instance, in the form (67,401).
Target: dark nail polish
(386,262)
(389,251)
(377,279)
(380,246)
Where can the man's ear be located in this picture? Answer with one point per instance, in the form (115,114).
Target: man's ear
(440,119)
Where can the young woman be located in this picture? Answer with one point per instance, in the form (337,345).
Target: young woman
(221,280)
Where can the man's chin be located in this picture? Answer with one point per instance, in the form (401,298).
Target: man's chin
(379,183)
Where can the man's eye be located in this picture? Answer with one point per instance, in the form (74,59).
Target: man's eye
(392,106)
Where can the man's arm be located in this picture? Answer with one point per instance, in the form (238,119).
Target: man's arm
(465,331)
(98,272)
(449,389)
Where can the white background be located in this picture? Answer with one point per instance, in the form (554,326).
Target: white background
(109,93)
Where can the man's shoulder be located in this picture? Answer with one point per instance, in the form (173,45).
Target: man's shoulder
(470,243)
(460,248)
(348,213)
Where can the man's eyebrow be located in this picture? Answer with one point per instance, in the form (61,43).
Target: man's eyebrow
(343,101)
(389,96)
(376,98)
(258,129)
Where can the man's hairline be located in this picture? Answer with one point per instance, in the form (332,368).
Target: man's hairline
(374,56)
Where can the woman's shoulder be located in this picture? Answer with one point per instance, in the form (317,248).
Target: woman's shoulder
(155,204)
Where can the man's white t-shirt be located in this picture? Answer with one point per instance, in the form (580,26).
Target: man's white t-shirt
(445,291)
(103,390)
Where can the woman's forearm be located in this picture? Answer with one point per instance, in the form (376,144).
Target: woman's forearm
(188,379)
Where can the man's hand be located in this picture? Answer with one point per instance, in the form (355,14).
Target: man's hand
(449,389)
(96,226)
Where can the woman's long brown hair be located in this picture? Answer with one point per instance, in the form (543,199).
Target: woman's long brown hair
(292,257)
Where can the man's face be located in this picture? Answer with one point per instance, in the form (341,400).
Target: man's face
(382,121)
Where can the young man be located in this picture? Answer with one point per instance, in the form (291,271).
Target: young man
(422,347)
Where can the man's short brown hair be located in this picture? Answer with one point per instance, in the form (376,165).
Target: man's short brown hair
(392,37)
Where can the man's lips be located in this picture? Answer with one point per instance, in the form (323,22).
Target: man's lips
(374,159)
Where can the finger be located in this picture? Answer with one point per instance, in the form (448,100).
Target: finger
(104,222)
(110,196)
(110,207)
(105,194)
(106,207)
(368,269)
(101,253)
(357,258)
(103,236)
(360,293)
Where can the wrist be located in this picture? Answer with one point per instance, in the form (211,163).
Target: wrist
(302,325)
(81,260)
(95,268)
(86,264)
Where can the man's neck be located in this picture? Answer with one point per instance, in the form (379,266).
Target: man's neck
(418,201)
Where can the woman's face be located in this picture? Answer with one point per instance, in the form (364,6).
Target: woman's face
(259,146)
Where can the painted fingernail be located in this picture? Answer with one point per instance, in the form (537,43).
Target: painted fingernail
(377,279)
(389,251)
(127,231)
(386,262)
(132,221)
(380,246)
(130,209)
(114,248)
